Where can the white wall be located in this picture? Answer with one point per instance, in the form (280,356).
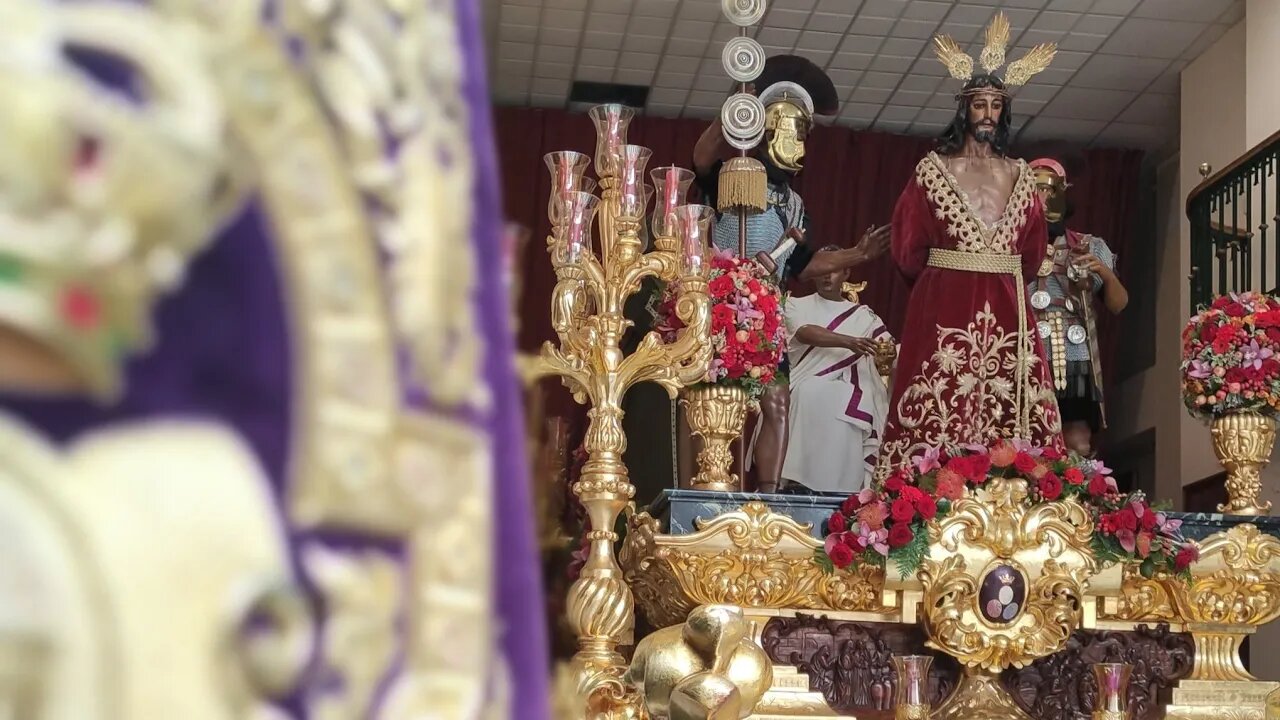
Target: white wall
(1213,118)
(1262,49)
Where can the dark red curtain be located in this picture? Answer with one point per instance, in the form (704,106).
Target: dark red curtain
(851,180)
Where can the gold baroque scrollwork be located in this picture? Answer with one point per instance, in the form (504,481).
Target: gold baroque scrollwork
(750,557)
(1236,581)
(1048,543)
(1145,599)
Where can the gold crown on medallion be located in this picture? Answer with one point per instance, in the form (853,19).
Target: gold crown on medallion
(960,65)
(104,198)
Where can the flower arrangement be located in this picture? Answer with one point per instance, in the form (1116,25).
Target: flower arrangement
(1229,357)
(747,333)
(890,521)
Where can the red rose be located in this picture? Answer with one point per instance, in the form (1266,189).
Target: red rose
(902,510)
(928,508)
(1024,463)
(850,505)
(1267,318)
(1098,486)
(1273,334)
(979,466)
(1051,454)
(1126,520)
(721,287)
(1220,302)
(1074,476)
(894,484)
(836,523)
(1187,555)
(1148,520)
(1236,375)
(1234,309)
(1050,486)
(900,535)
(840,554)
(913,494)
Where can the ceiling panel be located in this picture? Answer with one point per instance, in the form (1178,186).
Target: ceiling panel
(1115,81)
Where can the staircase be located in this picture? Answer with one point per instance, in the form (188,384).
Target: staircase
(1235,226)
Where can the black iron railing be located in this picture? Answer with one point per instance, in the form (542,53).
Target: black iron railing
(1235,215)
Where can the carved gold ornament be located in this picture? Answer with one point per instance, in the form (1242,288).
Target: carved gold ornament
(1243,442)
(708,667)
(717,414)
(750,557)
(1004,584)
(993,528)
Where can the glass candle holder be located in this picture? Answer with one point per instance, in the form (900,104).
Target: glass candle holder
(911,691)
(693,229)
(579,209)
(515,238)
(671,189)
(629,179)
(611,121)
(1112,702)
(566,168)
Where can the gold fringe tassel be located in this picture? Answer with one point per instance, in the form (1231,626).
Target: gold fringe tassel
(743,184)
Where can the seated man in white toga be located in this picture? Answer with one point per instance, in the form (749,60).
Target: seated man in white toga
(838,399)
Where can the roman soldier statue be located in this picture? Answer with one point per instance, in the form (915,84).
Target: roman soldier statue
(792,89)
(1076,269)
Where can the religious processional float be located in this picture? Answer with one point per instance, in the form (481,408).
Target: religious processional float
(982,583)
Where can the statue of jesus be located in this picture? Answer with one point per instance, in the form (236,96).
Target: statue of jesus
(968,232)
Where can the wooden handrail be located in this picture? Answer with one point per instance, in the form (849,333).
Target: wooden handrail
(1228,170)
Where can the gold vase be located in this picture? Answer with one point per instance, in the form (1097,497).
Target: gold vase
(717,414)
(1243,441)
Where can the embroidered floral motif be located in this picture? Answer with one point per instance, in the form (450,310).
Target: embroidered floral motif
(966,393)
(952,204)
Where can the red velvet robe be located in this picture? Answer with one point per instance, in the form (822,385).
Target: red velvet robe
(958,380)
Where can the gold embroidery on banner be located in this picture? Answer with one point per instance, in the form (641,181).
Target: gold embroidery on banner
(965,392)
(391,74)
(362,595)
(952,204)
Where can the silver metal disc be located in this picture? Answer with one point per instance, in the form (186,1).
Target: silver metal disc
(744,143)
(1040,299)
(742,116)
(1044,329)
(1076,335)
(743,58)
(743,13)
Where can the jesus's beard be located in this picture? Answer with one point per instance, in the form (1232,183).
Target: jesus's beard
(985,134)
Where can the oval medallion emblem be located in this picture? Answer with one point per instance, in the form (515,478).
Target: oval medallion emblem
(1002,595)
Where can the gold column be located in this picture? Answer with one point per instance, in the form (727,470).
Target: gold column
(1235,588)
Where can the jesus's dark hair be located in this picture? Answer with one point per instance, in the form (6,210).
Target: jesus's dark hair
(952,138)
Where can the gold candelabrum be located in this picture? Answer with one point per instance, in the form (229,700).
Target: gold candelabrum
(594,280)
